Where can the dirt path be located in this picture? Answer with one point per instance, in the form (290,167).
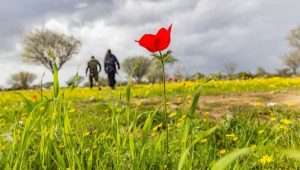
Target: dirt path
(221,104)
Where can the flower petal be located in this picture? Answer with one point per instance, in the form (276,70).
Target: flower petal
(163,38)
(148,41)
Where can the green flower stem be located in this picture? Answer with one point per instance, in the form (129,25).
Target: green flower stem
(165,103)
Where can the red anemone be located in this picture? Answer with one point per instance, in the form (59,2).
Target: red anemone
(156,42)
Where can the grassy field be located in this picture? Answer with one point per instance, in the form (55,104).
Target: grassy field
(123,129)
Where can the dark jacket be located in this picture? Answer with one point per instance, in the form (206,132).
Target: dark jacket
(110,63)
(93,67)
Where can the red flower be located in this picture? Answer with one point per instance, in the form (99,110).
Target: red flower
(158,42)
(34,98)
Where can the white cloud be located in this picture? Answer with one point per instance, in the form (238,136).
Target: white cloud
(81,5)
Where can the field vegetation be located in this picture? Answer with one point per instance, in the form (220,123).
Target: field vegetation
(80,128)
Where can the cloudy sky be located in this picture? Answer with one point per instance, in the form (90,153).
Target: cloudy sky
(206,33)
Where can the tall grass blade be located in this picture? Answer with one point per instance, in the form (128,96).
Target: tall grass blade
(185,153)
(294,154)
(224,162)
(195,102)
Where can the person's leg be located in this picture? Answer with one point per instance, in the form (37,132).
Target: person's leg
(91,81)
(113,81)
(110,80)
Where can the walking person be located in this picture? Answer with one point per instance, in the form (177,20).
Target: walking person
(94,68)
(111,64)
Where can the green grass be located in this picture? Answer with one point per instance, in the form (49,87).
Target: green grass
(90,129)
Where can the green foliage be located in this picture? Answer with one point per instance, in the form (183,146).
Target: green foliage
(136,67)
(88,129)
(294,154)
(244,75)
(197,76)
(226,160)
(167,57)
(216,76)
(74,81)
(155,72)
(22,80)
(261,72)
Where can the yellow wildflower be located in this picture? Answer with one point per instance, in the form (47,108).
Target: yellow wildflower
(259,104)
(283,127)
(286,121)
(222,151)
(232,136)
(266,159)
(206,113)
(273,118)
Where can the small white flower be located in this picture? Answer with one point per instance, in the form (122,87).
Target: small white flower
(8,136)
(271,104)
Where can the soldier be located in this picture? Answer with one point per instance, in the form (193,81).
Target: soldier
(92,68)
(110,63)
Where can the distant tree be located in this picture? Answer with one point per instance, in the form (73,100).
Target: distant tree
(155,72)
(75,80)
(292,60)
(47,84)
(39,42)
(178,74)
(22,80)
(244,75)
(197,76)
(294,38)
(216,76)
(260,71)
(136,67)
(284,72)
(230,68)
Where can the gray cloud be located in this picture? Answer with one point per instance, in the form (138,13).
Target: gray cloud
(207,33)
